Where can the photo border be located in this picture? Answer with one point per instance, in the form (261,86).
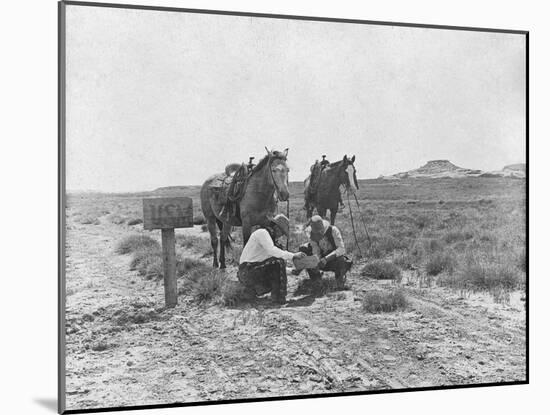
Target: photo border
(62,202)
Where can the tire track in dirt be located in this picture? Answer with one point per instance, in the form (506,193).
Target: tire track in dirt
(371,377)
(473,327)
(327,344)
(428,345)
(99,352)
(491,349)
(366,345)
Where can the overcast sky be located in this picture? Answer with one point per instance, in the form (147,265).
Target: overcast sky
(162,98)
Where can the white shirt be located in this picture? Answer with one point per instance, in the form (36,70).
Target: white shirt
(260,246)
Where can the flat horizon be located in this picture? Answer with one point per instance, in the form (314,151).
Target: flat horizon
(68,191)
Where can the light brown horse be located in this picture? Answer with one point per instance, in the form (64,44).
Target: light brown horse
(327,193)
(266,184)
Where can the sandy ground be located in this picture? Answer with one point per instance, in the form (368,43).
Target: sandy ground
(124,349)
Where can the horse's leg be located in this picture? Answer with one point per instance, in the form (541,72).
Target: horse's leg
(220,224)
(322,211)
(224,241)
(246,231)
(213,230)
(333,212)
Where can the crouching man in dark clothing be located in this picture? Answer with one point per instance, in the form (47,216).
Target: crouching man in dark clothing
(325,241)
(262,266)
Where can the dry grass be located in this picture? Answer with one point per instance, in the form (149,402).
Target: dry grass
(186,265)
(440,262)
(377,301)
(458,235)
(481,218)
(117,219)
(208,285)
(194,243)
(384,245)
(234,294)
(204,284)
(405,260)
(381,270)
(132,243)
(317,287)
(147,261)
(86,214)
(479,272)
(87,219)
(146,255)
(501,295)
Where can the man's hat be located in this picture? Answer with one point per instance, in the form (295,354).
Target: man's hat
(282,222)
(319,227)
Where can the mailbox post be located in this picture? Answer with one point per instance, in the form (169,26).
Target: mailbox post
(166,214)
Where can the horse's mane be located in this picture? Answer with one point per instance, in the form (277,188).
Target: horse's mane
(336,164)
(332,169)
(274,155)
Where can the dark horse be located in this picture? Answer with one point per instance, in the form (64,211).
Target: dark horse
(326,195)
(266,184)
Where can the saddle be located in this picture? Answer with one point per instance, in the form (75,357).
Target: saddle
(312,182)
(228,190)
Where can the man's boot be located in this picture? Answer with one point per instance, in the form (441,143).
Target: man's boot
(278,287)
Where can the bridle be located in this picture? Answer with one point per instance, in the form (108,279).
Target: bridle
(342,182)
(277,190)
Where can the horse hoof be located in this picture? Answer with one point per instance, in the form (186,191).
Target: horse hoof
(222,266)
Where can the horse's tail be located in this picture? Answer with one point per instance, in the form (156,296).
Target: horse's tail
(307,185)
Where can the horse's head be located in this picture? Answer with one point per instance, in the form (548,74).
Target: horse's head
(347,174)
(279,173)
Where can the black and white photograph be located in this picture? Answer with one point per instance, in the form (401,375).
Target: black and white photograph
(261,207)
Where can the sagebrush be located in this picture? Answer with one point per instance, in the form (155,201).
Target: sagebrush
(132,243)
(378,301)
(381,270)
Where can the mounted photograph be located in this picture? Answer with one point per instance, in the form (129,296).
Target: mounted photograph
(260,207)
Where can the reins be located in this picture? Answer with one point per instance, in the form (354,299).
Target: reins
(288,216)
(242,190)
(361,217)
(353,226)
(273,178)
(279,199)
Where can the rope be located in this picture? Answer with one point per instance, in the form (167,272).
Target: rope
(353,227)
(237,187)
(361,217)
(288,216)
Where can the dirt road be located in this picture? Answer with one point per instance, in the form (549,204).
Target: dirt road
(123,349)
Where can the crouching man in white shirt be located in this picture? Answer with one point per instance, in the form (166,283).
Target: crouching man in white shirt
(262,266)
